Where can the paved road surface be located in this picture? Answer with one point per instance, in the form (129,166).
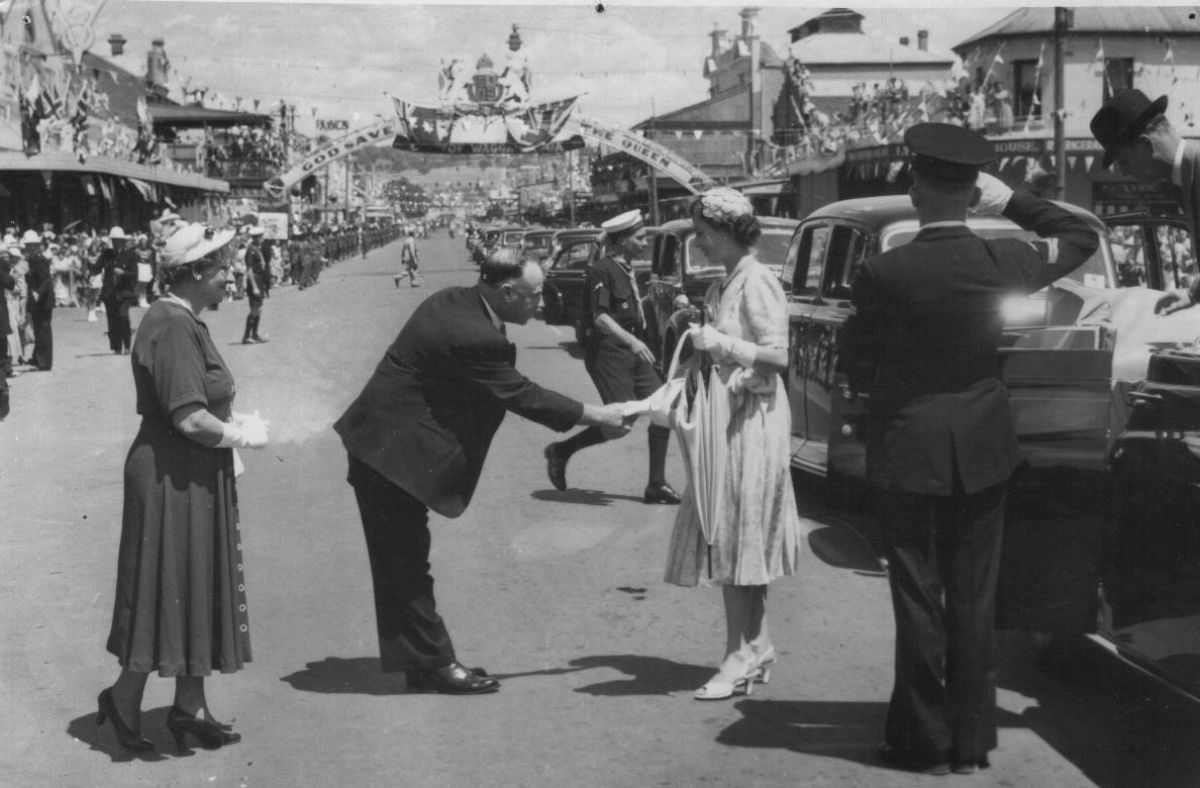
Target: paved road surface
(558,594)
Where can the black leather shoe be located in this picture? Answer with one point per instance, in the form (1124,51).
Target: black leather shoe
(556,467)
(453,679)
(936,765)
(970,766)
(660,493)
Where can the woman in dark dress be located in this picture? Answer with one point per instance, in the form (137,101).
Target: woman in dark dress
(180,604)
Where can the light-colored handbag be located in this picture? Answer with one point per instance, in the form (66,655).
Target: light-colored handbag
(659,405)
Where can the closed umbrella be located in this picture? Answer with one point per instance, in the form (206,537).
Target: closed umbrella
(701,429)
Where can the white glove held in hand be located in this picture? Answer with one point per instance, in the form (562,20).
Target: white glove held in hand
(246,431)
(994,195)
(722,346)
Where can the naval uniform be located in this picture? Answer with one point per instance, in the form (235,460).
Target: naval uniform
(941,442)
(620,374)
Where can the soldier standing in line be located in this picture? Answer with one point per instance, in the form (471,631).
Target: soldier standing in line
(258,280)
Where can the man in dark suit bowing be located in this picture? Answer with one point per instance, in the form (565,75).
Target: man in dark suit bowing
(417,437)
(940,438)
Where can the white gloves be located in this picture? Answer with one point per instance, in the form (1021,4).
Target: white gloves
(994,195)
(245,431)
(722,346)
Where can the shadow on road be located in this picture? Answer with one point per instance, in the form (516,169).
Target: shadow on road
(850,730)
(359,675)
(102,739)
(586,497)
(648,675)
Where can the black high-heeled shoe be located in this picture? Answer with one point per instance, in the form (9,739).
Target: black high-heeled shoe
(210,734)
(127,737)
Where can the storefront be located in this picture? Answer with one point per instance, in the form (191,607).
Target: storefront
(57,189)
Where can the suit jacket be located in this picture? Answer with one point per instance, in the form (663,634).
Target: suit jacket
(7,283)
(426,418)
(923,340)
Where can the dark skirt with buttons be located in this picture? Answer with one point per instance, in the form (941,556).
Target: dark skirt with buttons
(181,597)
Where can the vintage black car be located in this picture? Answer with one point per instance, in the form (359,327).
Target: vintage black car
(1101,534)
(562,293)
(538,244)
(680,275)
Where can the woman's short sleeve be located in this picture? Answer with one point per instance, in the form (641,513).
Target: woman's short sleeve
(175,361)
(764,309)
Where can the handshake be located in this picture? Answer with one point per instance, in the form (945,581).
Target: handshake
(611,419)
(244,431)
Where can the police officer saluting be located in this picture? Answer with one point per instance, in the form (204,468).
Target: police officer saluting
(940,438)
(620,363)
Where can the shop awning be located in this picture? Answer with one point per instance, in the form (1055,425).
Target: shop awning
(771,188)
(65,162)
(192,117)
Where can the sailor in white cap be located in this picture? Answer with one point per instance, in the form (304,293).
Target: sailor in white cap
(117,265)
(619,361)
(40,306)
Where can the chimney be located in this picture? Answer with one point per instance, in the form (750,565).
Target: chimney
(158,67)
(903,41)
(117,42)
(749,29)
(923,40)
(718,36)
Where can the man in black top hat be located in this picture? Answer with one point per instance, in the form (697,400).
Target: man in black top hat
(1140,140)
(940,439)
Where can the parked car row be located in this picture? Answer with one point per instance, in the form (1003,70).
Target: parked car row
(1102,535)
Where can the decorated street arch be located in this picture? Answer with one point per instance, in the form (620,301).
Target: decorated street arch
(491,112)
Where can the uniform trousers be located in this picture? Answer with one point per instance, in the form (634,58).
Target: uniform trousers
(412,636)
(43,338)
(943,563)
(120,330)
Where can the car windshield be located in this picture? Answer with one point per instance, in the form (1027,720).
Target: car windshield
(513,238)
(538,242)
(1091,273)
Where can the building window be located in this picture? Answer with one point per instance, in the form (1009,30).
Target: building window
(1118,75)
(1027,93)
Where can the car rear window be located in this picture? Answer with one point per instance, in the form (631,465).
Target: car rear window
(538,242)
(773,245)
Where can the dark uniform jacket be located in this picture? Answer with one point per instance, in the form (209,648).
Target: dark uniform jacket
(7,282)
(923,340)
(426,418)
(41,284)
(118,274)
(609,288)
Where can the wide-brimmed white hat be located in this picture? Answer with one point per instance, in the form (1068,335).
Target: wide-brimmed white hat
(192,242)
(255,231)
(15,251)
(117,232)
(31,237)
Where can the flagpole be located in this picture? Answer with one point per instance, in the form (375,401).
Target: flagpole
(1062,21)
(653,172)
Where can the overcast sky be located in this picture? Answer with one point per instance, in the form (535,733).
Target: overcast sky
(341,58)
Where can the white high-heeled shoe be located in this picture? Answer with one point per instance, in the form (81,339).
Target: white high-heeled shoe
(722,690)
(764,664)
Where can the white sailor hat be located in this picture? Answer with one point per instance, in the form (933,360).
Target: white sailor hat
(623,223)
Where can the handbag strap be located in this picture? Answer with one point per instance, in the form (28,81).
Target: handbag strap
(674,366)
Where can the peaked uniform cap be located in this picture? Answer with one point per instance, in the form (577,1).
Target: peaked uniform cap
(623,223)
(949,152)
(1123,118)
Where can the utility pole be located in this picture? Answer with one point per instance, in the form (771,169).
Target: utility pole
(571,183)
(652,171)
(1063,19)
